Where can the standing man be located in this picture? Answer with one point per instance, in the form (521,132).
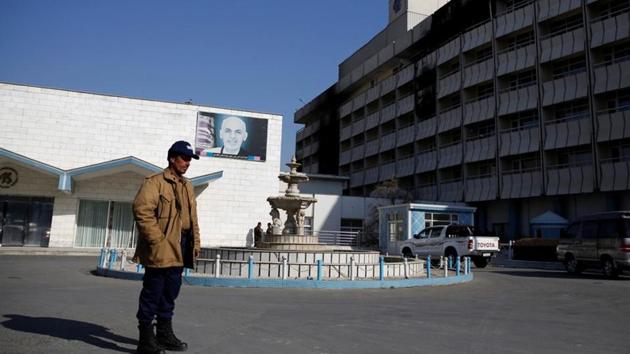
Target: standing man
(258,235)
(165,211)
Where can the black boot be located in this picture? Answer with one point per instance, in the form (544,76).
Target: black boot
(166,338)
(147,343)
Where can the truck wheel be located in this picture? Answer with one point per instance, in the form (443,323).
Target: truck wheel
(480,262)
(407,253)
(572,265)
(609,268)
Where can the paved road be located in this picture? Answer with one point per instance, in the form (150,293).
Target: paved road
(54,305)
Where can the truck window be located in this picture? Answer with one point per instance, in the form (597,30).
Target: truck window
(423,234)
(589,230)
(436,232)
(610,228)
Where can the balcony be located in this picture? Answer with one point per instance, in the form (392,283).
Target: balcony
(358,102)
(405,135)
(358,127)
(519,141)
(477,72)
(479,110)
(371,147)
(449,84)
(514,20)
(477,36)
(405,104)
(552,8)
(372,94)
(613,125)
(371,175)
(566,133)
(346,132)
(405,167)
(448,51)
(356,178)
(452,191)
(405,75)
(519,99)
(481,188)
(387,171)
(426,128)
(614,175)
(344,158)
(611,76)
(428,192)
(388,85)
(358,152)
(426,161)
(569,179)
(345,109)
(388,113)
(562,45)
(521,184)
(450,155)
(388,142)
(610,28)
(450,119)
(372,120)
(516,59)
(300,135)
(565,89)
(481,149)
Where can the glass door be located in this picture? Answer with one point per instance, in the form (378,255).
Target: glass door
(14,218)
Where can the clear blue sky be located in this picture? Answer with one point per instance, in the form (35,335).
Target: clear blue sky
(260,55)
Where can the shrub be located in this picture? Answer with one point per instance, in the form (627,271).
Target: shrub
(535,249)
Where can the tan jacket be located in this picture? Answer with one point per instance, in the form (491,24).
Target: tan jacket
(159,222)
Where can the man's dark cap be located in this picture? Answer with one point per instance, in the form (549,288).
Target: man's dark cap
(182,148)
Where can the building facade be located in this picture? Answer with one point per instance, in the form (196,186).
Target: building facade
(72,162)
(516,107)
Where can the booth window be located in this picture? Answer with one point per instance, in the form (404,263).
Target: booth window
(395,227)
(440,219)
(105,224)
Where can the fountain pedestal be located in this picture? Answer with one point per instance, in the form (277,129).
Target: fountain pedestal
(291,235)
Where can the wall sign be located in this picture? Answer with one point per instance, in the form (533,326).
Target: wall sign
(8,177)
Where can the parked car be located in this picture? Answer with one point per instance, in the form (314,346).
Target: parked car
(597,241)
(452,241)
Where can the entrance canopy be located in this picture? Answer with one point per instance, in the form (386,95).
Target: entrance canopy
(125,164)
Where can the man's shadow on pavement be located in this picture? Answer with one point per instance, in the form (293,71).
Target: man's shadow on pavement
(70,330)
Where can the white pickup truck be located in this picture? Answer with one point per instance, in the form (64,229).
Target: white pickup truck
(451,241)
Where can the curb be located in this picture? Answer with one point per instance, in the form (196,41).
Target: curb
(303,284)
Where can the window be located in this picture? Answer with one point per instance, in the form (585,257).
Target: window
(308,225)
(105,224)
(562,68)
(521,80)
(524,120)
(572,231)
(589,230)
(395,227)
(439,219)
(351,225)
(518,41)
(571,111)
(564,25)
(621,102)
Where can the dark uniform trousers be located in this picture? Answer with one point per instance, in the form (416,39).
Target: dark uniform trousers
(160,288)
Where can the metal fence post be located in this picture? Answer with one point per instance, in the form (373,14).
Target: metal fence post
(112,259)
(250,267)
(101,258)
(429,267)
(319,269)
(381,268)
(352,275)
(457,265)
(284,267)
(446,268)
(405,265)
(138,268)
(217,266)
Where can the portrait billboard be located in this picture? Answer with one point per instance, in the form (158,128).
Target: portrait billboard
(231,136)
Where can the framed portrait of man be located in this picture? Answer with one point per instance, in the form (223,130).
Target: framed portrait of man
(231,136)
